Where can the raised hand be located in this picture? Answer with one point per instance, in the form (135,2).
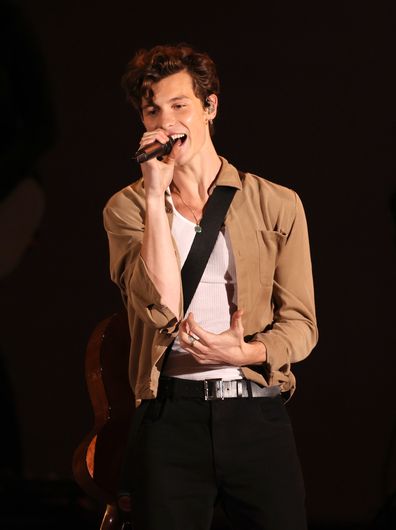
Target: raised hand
(158,174)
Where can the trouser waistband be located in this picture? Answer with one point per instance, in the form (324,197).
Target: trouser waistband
(211,389)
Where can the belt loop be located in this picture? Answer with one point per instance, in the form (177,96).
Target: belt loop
(249,388)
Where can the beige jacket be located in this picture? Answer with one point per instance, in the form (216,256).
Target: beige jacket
(269,237)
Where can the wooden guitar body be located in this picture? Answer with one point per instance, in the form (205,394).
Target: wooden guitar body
(97,460)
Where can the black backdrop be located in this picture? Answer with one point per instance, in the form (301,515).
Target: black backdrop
(307,100)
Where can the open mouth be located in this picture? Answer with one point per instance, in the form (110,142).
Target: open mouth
(182,137)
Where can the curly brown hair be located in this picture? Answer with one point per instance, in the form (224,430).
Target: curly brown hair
(150,66)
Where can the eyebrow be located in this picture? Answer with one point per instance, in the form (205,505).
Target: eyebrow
(172,100)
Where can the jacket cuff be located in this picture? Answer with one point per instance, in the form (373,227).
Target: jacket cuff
(278,356)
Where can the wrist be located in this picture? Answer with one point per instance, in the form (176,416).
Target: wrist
(156,207)
(258,352)
(154,200)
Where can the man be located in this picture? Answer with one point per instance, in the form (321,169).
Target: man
(251,316)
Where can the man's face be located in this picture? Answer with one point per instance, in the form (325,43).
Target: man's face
(177,110)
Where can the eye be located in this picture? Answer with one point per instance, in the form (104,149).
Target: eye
(150,111)
(179,106)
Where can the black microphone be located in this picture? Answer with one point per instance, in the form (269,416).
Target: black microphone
(155,149)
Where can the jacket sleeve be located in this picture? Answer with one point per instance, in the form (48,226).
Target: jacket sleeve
(293,333)
(124,224)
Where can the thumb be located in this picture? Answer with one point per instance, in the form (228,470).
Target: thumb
(236,320)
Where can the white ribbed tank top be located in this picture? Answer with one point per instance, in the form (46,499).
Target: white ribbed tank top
(213,303)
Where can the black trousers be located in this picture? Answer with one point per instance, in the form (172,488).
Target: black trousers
(189,454)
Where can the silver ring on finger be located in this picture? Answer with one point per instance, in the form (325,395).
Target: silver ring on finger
(192,340)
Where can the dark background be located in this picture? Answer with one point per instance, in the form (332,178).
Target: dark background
(308,101)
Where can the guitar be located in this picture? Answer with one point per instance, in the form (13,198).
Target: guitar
(97,460)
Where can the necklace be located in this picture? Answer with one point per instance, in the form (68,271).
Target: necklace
(197,227)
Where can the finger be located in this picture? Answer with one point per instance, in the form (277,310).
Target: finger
(196,348)
(184,326)
(192,345)
(185,338)
(202,358)
(195,329)
(150,136)
(170,159)
(185,334)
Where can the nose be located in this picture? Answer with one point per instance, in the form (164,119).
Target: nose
(166,119)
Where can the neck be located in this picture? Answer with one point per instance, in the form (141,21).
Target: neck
(195,179)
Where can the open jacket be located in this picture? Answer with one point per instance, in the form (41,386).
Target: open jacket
(269,238)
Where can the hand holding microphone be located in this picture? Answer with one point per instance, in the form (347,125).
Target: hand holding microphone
(157,149)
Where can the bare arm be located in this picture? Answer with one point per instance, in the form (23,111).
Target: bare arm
(158,254)
(157,249)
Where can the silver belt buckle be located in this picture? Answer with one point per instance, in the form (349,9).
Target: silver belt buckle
(213,389)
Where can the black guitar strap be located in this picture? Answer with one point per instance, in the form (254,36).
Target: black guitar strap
(213,218)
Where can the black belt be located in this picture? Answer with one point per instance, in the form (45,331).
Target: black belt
(210,389)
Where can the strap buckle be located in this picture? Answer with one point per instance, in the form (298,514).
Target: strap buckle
(213,389)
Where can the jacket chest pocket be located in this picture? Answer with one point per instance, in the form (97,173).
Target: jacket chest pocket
(270,244)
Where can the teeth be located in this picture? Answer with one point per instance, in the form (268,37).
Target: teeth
(177,136)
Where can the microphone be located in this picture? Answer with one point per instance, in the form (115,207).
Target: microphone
(156,149)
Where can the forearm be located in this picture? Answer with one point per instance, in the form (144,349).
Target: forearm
(159,255)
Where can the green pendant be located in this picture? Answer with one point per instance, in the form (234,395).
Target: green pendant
(198,229)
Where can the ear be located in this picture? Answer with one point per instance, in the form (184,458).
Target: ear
(211,108)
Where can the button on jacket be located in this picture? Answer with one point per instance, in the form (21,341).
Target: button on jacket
(269,238)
